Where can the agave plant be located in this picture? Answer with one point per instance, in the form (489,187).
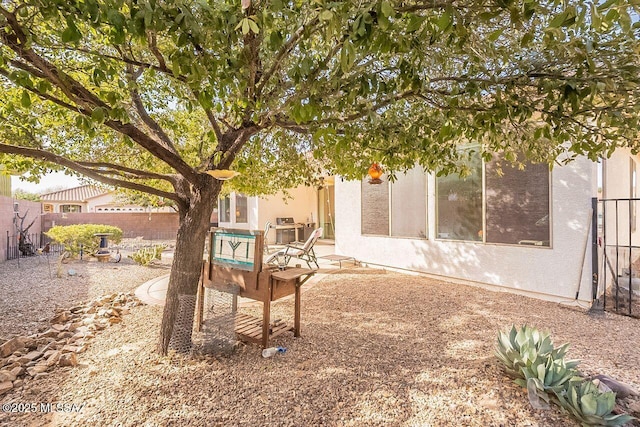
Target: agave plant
(522,347)
(530,357)
(546,373)
(582,399)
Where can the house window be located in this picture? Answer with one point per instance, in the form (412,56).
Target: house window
(241,209)
(71,208)
(375,207)
(224,208)
(459,204)
(517,204)
(47,208)
(409,204)
(396,209)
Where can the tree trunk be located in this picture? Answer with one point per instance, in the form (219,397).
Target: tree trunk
(177,320)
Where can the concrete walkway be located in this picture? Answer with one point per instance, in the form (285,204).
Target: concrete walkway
(154,291)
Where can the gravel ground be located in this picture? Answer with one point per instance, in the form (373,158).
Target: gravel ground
(377,349)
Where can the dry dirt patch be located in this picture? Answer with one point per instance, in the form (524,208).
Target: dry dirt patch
(376,349)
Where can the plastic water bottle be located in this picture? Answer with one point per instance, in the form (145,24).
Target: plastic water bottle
(268,352)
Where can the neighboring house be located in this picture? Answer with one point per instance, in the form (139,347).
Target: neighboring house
(528,231)
(88,204)
(88,198)
(310,206)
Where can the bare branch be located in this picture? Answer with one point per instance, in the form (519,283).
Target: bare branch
(153,46)
(231,145)
(129,171)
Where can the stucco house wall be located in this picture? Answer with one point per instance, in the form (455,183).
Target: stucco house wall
(557,272)
(301,205)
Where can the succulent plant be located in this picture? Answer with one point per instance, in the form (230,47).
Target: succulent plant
(589,405)
(530,357)
(523,347)
(546,373)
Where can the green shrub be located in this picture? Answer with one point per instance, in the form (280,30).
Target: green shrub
(72,236)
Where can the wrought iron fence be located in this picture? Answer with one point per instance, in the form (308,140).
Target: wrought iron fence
(618,252)
(32,244)
(40,243)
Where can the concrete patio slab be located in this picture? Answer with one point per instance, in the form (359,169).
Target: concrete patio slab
(154,291)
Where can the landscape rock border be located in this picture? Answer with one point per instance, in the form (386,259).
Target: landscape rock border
(25,358)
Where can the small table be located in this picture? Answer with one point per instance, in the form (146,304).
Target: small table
(339,258)
(281,284)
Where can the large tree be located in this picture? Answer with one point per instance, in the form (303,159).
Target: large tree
(148,95)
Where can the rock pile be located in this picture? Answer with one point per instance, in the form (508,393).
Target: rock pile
(26,358)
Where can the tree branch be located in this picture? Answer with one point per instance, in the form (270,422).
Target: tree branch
(144,115)
(232,145)
(63,161)
(153,47)
(129,171)
(283,52)
(77,93)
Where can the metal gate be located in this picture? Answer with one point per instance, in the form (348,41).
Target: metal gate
(616,255)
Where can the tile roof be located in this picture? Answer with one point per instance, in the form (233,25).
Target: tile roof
(76,194)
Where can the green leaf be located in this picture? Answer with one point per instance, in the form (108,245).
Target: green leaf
(326,15)
(415,22)
(347,56)
(589,404)
(244,24)
(71,34)
(387,9)
(253,26)
(496,34)
(25,100)
(558,20)
(444,21)
(98,115)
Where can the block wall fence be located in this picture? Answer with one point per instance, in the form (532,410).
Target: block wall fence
(150,226)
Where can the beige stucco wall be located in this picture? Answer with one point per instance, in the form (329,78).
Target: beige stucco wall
(617,185)
(554,273)
(302,204)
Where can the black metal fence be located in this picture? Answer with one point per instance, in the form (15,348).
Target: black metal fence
(32,244)
(618,255)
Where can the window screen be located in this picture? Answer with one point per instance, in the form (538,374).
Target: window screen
(409,204)
(375,207)
(517,204)
(459,209)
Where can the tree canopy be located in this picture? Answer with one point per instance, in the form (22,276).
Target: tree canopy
(148,95)
(109,87)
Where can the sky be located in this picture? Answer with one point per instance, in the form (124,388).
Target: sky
(55,180)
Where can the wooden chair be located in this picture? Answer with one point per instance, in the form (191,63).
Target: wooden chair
(304,252)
